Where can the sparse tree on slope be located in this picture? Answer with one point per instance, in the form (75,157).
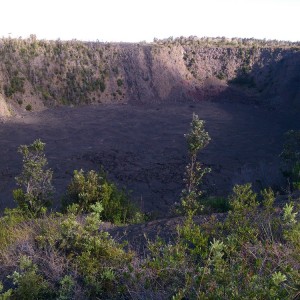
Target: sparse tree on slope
(197,139)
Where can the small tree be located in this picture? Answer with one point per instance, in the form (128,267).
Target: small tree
(34,194)
(88,189)
(197,139)
(84,190)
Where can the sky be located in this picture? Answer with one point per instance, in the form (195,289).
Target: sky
(144,20)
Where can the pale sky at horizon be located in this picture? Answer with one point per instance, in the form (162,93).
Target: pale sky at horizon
(138,20)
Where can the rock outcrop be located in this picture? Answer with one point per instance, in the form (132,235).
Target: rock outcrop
(4,111)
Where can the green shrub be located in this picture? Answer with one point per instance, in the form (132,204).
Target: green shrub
(119,82)
(28,284)
(35,192)
(92,187)
(102,85)
(215,204)
(28,107)
(98,259)
(221,76)
(84,190)
(291,158)
(117,206)
(241,219)
(11,226)
(16,85)
(66,288)
(5,295)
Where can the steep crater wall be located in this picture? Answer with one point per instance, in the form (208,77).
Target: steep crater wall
(35,74)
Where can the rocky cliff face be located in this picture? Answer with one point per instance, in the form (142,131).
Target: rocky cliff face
(36,74)
(4,111)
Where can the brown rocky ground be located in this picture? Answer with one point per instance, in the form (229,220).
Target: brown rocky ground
(143,148)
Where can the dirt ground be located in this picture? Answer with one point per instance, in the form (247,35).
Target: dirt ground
(143,147)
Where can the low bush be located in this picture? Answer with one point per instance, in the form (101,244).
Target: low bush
(64,258)
(214,205)
(16,85)
(119,82)
(11,228)
(84,190)
(89,188)
(28,107)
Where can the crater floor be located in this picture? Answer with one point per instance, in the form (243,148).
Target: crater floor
(143,147)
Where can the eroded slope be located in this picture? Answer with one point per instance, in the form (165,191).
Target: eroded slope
(35,74)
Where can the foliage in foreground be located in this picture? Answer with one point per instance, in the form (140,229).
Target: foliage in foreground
(66,257)
(252,254)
